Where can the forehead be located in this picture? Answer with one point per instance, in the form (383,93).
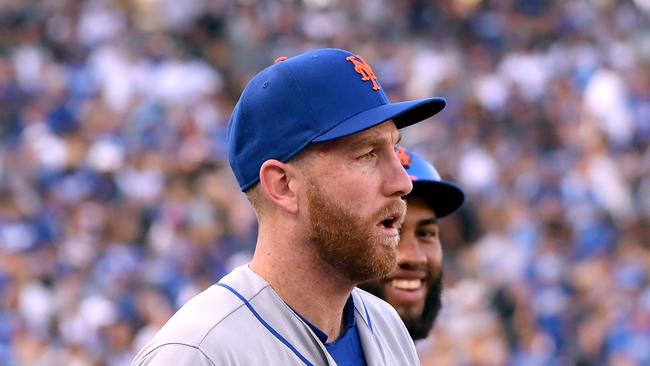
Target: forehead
(417,206)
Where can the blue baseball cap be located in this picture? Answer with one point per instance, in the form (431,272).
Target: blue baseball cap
(317,96)
(443,197)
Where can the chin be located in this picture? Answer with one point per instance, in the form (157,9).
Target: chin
(410,311)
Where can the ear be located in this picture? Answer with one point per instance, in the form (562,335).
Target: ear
(276,179)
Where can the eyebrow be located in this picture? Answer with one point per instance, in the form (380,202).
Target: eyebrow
(373,140)
(429,221)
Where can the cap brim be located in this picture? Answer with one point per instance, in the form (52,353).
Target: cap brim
(402,113)
(443,197)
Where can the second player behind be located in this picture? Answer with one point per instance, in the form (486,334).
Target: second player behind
(414,288)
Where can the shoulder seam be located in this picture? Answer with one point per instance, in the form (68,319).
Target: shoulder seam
(230,313)
(181,344)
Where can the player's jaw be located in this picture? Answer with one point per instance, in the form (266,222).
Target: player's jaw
(360,248)
(416,295)
(419,324)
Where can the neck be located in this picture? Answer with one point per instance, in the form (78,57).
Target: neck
(307,284)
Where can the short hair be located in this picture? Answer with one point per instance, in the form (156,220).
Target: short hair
(256,198)
(255,194)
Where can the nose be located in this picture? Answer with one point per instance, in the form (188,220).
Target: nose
(398,182)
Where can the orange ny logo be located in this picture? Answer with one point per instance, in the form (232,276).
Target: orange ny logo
(365,70)
(403,157)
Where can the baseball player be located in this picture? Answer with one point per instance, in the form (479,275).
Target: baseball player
(312,143)
(415,287)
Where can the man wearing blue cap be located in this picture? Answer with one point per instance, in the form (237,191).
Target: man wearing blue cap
(312,143)
(414,288)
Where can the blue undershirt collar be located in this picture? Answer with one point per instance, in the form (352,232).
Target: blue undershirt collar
(346,350)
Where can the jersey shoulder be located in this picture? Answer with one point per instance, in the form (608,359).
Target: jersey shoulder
(387,328)
(203,317)
(375,306)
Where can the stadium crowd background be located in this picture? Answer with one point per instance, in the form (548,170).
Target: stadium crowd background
(117,203)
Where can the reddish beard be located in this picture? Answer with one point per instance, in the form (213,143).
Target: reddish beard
(350,243)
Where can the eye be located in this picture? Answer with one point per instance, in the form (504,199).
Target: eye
(369,155)
(427,235)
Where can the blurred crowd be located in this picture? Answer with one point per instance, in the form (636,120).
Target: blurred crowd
(117,203)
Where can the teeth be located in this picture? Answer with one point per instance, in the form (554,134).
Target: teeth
(407,284)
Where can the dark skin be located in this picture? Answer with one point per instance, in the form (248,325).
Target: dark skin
(414,288)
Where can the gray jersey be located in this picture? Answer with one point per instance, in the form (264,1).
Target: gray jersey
(242,321)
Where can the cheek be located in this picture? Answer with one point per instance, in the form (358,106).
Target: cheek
(352,185)
(434,255)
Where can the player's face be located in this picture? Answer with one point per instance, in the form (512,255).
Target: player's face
(354,202)
(414,288)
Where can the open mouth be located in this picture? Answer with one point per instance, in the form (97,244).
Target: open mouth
(392,222)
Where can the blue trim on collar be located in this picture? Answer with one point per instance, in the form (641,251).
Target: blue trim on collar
(266,325)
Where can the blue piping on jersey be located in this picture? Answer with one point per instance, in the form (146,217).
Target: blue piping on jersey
(266,325)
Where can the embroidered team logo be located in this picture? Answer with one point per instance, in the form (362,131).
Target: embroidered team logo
(404,157)
(364,70)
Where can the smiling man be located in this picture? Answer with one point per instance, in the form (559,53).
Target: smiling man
(414,288)
(312,143)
